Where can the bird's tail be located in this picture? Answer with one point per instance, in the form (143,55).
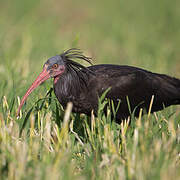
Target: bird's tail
(171,88)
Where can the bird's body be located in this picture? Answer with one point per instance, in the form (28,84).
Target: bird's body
(124,81)
(84,85)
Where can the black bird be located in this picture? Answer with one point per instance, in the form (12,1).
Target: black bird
(82,85)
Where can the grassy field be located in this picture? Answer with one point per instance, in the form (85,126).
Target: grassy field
(48,142)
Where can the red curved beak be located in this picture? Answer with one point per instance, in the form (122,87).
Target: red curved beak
(43,76)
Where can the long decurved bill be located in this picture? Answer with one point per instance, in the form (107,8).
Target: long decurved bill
(43,76)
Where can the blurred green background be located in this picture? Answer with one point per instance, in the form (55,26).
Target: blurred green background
(141,33)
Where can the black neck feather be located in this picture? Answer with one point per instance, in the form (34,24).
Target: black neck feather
(75,78)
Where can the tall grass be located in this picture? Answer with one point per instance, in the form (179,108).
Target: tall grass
(100,148)
(48,142)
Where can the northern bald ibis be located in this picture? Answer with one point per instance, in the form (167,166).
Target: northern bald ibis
(82,85)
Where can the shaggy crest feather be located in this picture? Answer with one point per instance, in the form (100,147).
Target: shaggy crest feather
(77,70)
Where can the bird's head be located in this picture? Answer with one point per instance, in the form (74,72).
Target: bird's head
(55,67)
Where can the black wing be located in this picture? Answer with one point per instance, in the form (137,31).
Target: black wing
(138,85)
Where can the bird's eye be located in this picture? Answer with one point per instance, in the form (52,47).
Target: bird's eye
(55,66)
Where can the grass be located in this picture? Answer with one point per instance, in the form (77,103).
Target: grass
(48,142)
